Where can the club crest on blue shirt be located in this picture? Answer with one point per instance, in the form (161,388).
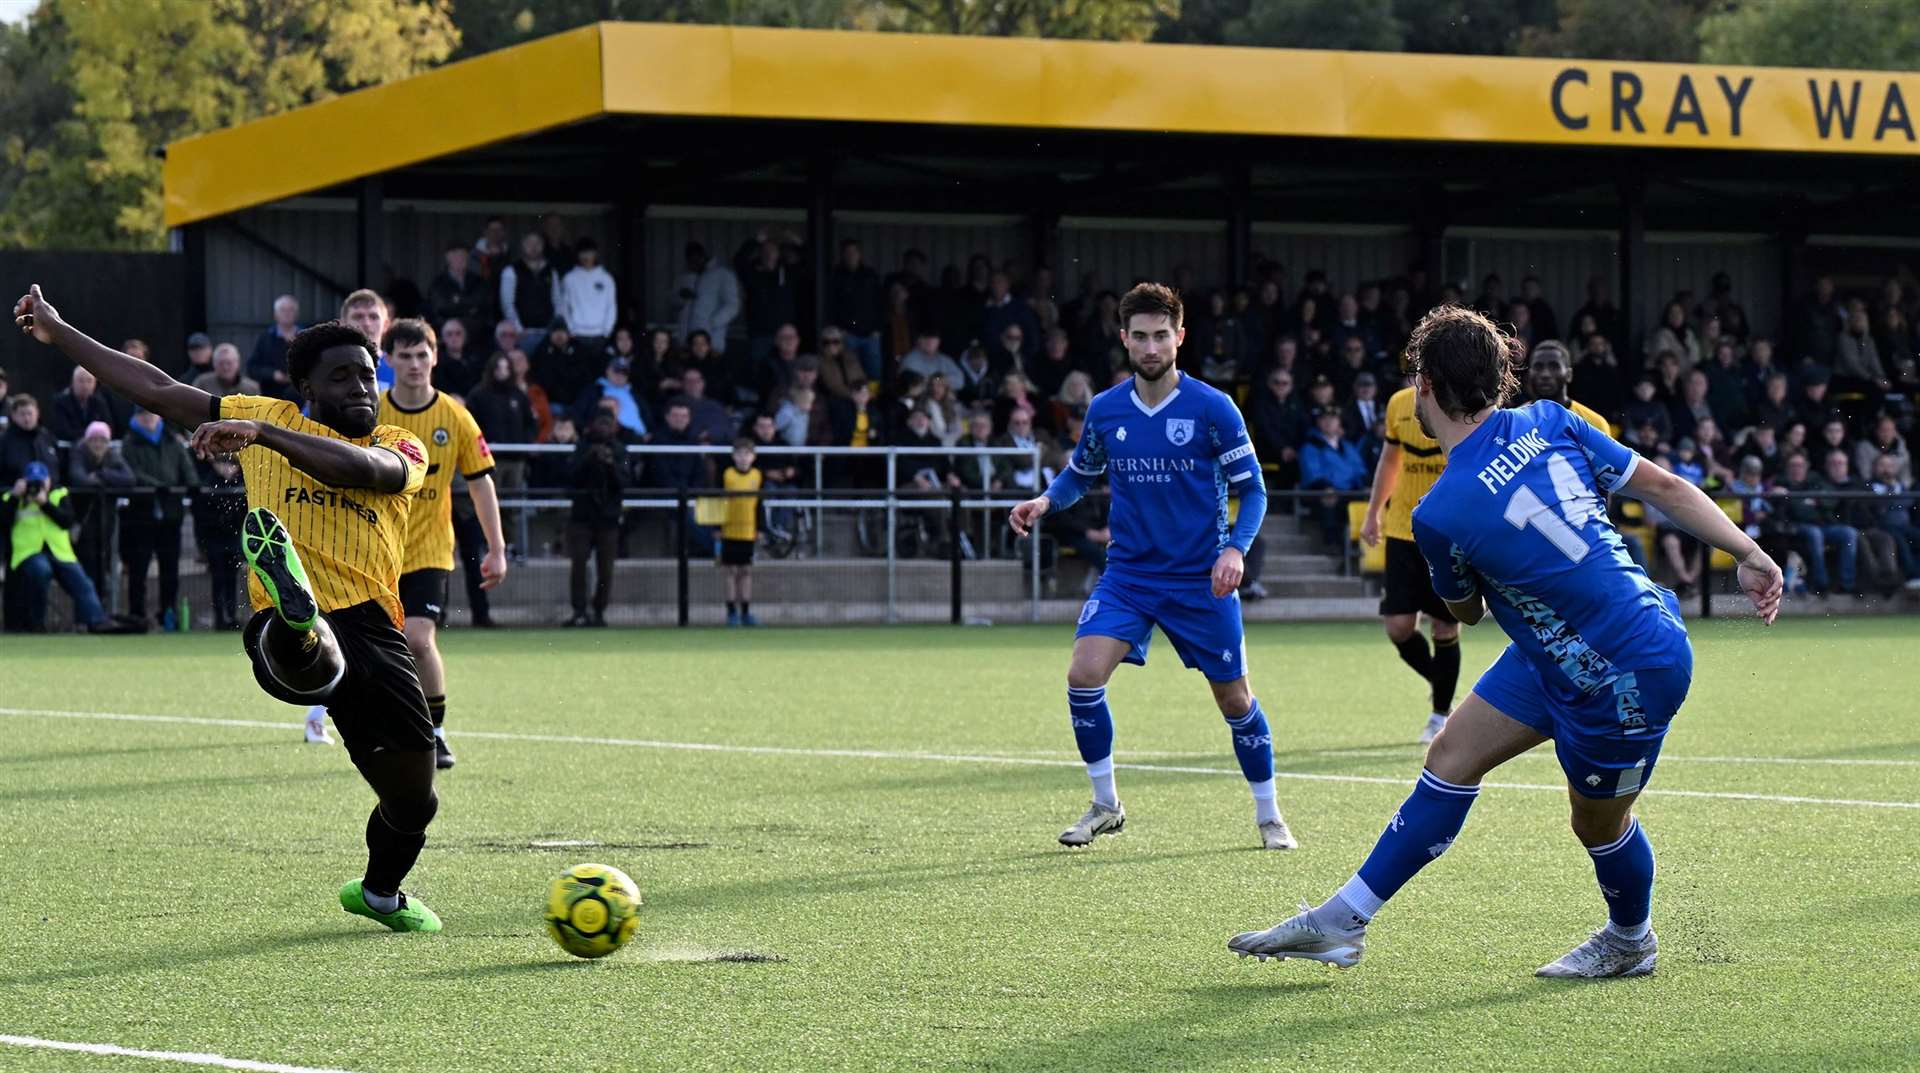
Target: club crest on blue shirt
(1179,430)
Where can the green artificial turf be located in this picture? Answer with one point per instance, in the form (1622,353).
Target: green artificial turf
(171,885)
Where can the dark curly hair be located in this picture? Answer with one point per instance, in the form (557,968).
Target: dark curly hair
(1153,299)
(1467,357)
(307,346)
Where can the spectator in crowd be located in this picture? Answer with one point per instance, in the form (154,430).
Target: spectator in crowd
(1278,426)
(649,364)
(978,383)
(899,326)
(1893,337)
(908,391)
(708,298)
(942,408)
(554,469)
(1720,304)
(1881,562)
(1082,529)
(1680,550)
(1815,323)
(1884,442)
(1760,366)
(708,421)
(772,297)
(682,470)
(1669,380)
(1692,407)
(1100,346)
(225,378)
(506,336)
(563,365)
(979,472)
(1606,316)
(459,369)
(1812,408)
(912,274)
(1714,453)
(150,524)
(1774,408)
(1597,378)
(1360,416)
(923,472)
(1006,351)
(492,251)
(1348,324)
(219,505)
(773,371)
(1520,320)
(926,359)
(855,302)
(1726,385)
(699,354)
(1331,463)
(1817,523)
(600,477)
(1834,437)
(36,514)
(1075,395)
(199,358)
(1023,472)
(801,413)
(859,420)
(1050,368)
(1762,443)
(502,409)
(1353,361)
(1857,369)
(530,296)
(1005,310)
(781,475)
(458,292)
(537,397)
(96,464)
(553,232)
(840,370)
(616,384)
(1016,396)
(1893,514)
(268,362)
(1647,410)
(589,299)
(1492,299)
(1539,311)
(25,441)
(1285,355)
(80,404)
(1676,336)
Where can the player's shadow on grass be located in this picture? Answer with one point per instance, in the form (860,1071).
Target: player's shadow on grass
(251,946)
(194,783)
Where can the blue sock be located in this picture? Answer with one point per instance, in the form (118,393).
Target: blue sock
(1253,746)
(1624,868)
(1093,733)
(1420,832)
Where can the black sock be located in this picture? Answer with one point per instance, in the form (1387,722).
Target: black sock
(1446,672)
(732,608)
(746,607)
(437,707)
(391,851)
(1413,651)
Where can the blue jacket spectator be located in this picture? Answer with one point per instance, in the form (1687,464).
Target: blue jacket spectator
(1330,462)
(616,385)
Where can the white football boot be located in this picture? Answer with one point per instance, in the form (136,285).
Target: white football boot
(1099,820)
(1605,954)
(1301,936)
(1434,723)
(1274,835)
(317,726)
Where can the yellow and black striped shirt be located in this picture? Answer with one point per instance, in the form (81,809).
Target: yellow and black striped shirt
(1421,461)
(349,539)
(743,512)
(454,444)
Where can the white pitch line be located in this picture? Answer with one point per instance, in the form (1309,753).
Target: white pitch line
(185,1057)
(948,758)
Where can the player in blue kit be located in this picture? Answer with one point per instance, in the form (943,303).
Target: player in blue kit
(1599,660)
(1172,449)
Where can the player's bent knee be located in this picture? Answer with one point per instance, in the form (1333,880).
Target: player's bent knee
(1401,627)
(1235,698)
(411,814)
(1595,823)
(1081,676)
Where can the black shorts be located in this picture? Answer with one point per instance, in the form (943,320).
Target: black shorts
(736,553)
(1408,586)
(378,703)
(423,594)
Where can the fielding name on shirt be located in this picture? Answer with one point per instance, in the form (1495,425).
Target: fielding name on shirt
(1506,465)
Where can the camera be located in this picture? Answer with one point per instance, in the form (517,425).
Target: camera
(34,488)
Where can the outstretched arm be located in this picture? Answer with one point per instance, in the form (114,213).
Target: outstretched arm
(180,404)
(1690,509)
(329,461)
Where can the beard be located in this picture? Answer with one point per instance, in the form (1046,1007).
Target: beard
(349,423)
(1420,417)
(1150,377)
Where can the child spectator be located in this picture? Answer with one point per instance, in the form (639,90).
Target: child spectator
(739,530)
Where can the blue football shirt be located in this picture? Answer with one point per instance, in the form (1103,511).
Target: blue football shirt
(1170,467)
(1519,515)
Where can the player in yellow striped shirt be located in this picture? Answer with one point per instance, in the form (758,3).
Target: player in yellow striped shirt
(454,445)
(328,498)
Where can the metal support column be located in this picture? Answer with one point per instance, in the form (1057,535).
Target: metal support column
(1238,181)
(630,227)
(819,253)
(371,232)
(1430,232)
(893,529)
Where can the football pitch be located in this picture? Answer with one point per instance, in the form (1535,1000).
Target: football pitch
(845,842)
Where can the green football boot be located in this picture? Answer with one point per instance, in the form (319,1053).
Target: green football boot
(270,554)
(411,916)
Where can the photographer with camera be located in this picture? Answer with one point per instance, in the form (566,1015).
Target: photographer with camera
(36,516)
(600,478)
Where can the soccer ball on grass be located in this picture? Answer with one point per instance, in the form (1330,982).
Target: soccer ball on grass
(592,910)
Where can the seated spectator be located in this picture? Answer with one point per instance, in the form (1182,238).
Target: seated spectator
(1016,397)
(501,407)
(1006,353)
(82,403)
(1669,378)
(1647,411)
(926,359)
(458,292)
(36,515)
(1893,514)
(458,369)
(801,416)
(1883,560)
(25,442)
(781,473)
(566,365)
(1762,444)
(1815,523)
(1011,321)
(1775,409)
(1833,437)
(1075,395)
(979,472)
(536,395)
(1692,407)
(1760,366)
(1055,362)
(1675,336)
(923,472)
(1348,324)
(614,384)
(1678,547)
(840,368)
(1023,472)
(225,378)
(1331,463)
(1596,378)
(1366,412)
(199,358)
(1726,385)
(94,464)
(1354,360)
(1857,369)
(943,410)
(1714,453)
(700,354)
(1750,484)
(1278,425)
(1520,321)
(267,364)
(709,421)
(773,371)
(1813,406)
(1885,442)
(1082,529)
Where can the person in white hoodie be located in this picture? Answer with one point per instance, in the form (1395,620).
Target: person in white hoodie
(589,301)
(708,296)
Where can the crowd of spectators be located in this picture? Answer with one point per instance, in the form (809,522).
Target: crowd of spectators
(535,337)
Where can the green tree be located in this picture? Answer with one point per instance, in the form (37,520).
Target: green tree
(1364,25)
(1662,30)
(143,73)
(1470,27)
(42,152)
(1105,20)
(486,25)
(1814,33)
(1200,22)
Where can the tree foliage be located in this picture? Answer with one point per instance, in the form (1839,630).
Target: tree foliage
(1814,33)
(1661,30)
(486,25)
(1367,25)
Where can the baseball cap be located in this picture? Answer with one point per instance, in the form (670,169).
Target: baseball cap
(197,340)
(35,471)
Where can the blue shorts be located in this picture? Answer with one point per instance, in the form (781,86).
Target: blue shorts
(1607,741)
(1204,629)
